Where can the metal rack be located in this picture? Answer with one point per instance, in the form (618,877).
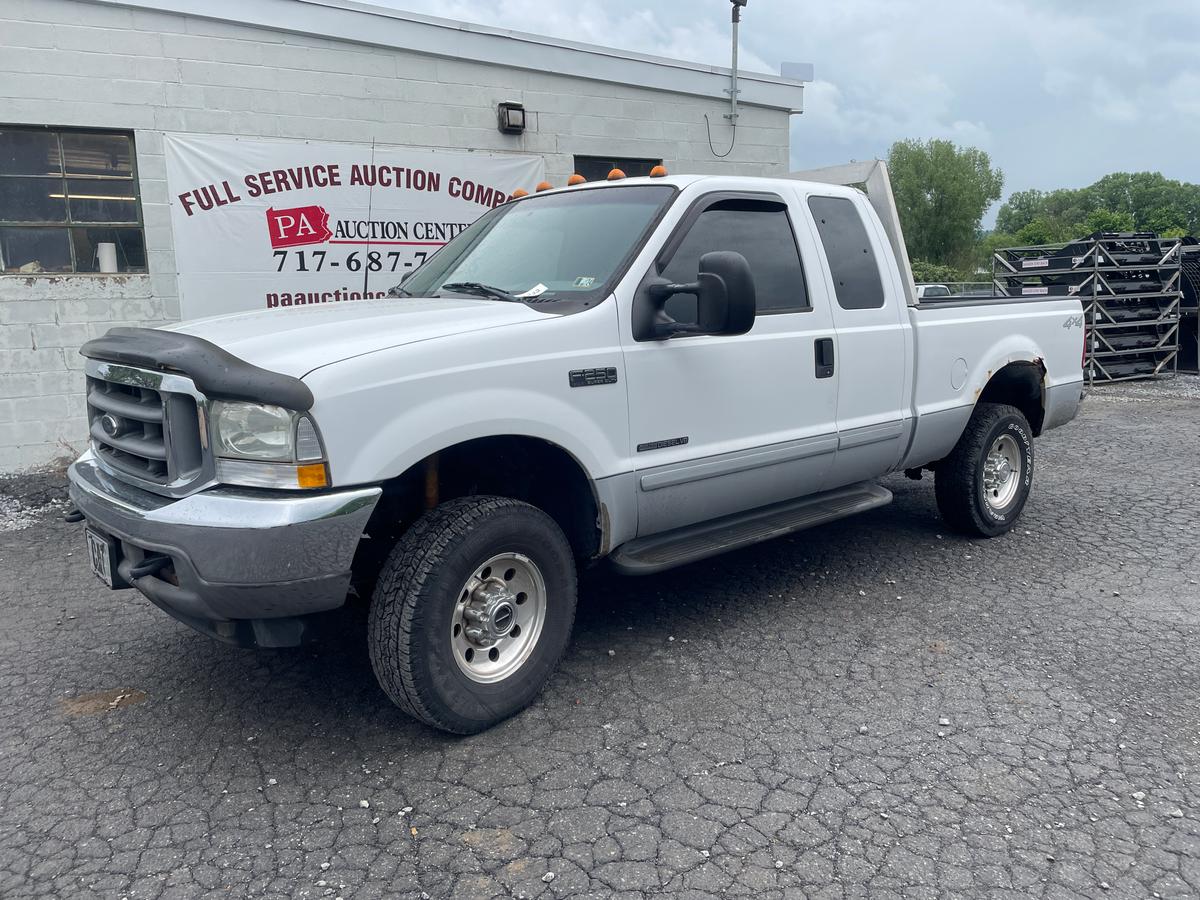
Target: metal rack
(1130,286)
(1189,332)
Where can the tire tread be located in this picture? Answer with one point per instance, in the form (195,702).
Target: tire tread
(954,483)
(396,609)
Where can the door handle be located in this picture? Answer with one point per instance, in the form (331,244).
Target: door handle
(823,353)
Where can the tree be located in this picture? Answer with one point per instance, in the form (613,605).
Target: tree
(1122,201)
(1108,220)
(931,273)
(1042,230)
(942,192)
(1021,208)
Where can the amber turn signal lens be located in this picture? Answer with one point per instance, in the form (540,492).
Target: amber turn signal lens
(616,175)
(544,186)
(575,179)
(658,171)
(315,475)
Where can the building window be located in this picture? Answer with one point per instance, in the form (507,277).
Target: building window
(69,202)
(596,168)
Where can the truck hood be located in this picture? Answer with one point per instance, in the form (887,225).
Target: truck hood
(298,340)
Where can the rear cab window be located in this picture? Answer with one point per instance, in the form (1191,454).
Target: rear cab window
(849,252)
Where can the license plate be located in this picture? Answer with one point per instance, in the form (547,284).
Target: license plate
(102,551)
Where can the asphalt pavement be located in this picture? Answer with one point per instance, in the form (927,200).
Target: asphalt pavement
(875,708)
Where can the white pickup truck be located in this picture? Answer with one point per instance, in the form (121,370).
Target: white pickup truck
(645,370)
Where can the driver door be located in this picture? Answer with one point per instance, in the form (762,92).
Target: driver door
(724,423)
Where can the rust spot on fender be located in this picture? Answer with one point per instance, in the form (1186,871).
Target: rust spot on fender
(605,531)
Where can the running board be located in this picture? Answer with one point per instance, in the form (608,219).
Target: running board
(658,552)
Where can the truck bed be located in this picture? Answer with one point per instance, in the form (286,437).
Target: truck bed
(953,335)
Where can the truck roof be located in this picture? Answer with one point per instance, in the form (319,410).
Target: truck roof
(738,182)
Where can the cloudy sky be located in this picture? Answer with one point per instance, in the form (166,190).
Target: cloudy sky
(1058,93)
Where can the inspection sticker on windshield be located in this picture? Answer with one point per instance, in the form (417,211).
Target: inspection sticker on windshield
(536,291)
(585,281)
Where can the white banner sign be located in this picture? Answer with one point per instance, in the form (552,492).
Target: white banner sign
(261,224)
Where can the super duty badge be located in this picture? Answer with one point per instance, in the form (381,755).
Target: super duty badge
(592,377)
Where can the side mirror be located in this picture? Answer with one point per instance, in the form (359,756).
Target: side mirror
(725,299)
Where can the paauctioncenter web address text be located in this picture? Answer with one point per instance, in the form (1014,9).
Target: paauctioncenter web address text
(311,298)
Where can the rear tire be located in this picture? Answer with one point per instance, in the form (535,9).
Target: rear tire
(982,486)
(472,611)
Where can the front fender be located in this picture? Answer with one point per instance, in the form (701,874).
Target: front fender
(381,412)
(434,425)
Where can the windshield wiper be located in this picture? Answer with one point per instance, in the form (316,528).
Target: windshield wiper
(483,290)
(397,291)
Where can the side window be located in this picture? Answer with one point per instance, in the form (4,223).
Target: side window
(758,230)
(851,257)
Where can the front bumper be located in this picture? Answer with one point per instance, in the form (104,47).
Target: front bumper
(246,566)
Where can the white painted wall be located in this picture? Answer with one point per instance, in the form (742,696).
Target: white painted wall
(71,63)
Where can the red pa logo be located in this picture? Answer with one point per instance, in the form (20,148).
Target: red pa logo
(298,226)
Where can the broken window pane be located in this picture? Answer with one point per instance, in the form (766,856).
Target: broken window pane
(32,250)
(128,243)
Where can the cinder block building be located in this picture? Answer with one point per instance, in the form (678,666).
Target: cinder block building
(93,92)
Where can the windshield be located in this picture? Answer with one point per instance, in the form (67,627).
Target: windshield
(560,246)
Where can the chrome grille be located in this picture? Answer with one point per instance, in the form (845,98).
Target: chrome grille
(146,428)
(126,425)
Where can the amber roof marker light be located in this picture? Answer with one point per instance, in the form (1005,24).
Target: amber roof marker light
(616,175)
(575,179)
(544,186)
(658,172)
(519,193)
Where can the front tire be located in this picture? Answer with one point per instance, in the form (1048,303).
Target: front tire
(982,486)
(472,611)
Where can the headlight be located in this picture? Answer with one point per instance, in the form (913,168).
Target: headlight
(254,431)
(258,445)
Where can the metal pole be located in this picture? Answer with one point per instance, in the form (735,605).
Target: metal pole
(733,80)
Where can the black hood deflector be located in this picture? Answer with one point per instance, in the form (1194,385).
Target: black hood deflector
(216,372)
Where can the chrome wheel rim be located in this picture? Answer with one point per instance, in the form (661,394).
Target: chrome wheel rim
(1002,472)
(498,617)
